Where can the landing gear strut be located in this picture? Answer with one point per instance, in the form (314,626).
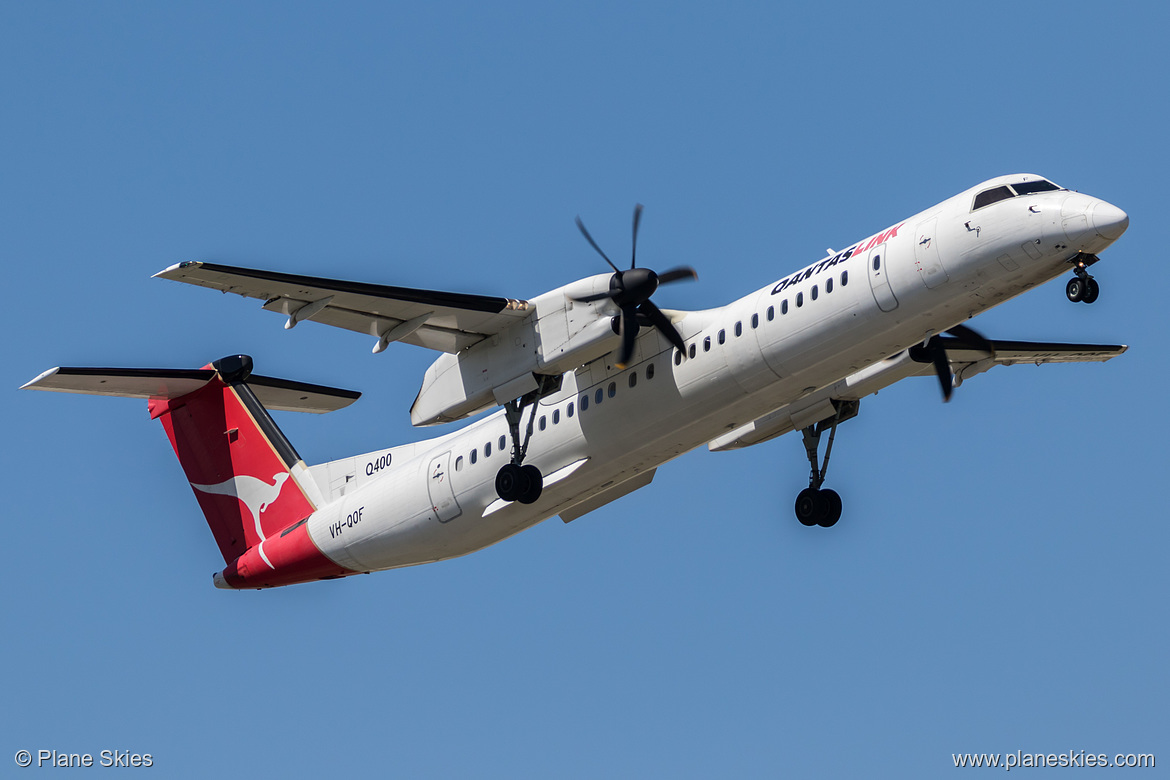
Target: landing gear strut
(814,505)
(1082,287)
(516,481)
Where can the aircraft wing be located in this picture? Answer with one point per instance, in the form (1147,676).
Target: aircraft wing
(968,358)
(443,321)
(1010,352)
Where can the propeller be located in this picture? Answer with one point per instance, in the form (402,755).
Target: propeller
(934,351)
(631,290)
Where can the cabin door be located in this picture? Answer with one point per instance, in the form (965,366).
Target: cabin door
(439,488)
(879,279)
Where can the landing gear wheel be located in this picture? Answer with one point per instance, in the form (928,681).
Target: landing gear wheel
(1092,290)
(834,506)
(810,506)
(1075,289)
(533,484)
(511,482)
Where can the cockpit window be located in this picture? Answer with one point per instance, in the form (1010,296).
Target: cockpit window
(1029,187)
(994,195)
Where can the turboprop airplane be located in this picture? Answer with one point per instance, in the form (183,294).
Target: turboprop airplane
(599,387)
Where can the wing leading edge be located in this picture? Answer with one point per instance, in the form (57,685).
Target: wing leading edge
(442,321)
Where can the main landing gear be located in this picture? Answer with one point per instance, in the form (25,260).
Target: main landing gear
(1082,287)
(516,481)
(816,505)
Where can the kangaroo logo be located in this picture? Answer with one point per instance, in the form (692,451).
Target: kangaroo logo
(256,494)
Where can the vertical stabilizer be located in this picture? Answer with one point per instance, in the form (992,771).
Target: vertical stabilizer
(247,477)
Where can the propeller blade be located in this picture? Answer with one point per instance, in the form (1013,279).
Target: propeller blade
(593,244)
(595,297)
(664,325)
(934,352)
(942,367)
(677,274)
(974,337)
(634,251)
(629,336)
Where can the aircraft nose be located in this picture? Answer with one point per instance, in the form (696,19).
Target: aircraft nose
(1109,221)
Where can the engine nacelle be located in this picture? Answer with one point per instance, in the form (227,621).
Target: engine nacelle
(560,335)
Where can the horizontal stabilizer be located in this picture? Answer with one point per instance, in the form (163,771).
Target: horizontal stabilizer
(276,394)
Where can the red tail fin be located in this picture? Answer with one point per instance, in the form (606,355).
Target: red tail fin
(243,470)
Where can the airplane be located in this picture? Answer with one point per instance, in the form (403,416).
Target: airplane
(594,386)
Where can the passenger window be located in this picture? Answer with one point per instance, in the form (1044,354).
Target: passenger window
(707,344)
(584,403)
(649,371)
(677,358)
(814,292)
(829,285)
(692,351)
(722,336)
(543,422)
(771,313)
(844,278)
(487,450)
(994,195)
(556,416)
(755,321)
(633,378)
(598,396)
(503,443)
(799,299)
(473,457)
(569,411)
(738,329)
(612,389)
(459,463)
(784,306)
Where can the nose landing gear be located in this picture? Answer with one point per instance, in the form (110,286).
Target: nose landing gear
(1082,288)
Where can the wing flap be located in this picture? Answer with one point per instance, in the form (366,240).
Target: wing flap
(450,321)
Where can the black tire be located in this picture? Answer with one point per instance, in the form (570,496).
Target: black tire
(834,513)
(533,483)
(1075,289)
(808,506)
(509,482)
(1092,291)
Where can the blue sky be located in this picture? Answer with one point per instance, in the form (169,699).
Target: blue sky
(998,581)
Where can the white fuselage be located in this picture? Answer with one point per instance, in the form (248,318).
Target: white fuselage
(781,347)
